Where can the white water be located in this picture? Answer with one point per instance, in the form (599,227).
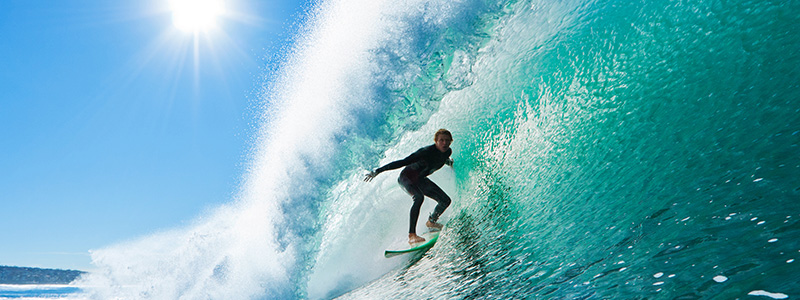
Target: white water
(253,246)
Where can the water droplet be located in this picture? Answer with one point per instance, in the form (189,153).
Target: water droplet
(768,294)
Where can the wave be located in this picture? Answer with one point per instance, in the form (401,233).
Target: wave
(602,151)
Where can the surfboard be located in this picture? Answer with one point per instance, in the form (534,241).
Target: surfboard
(430,240)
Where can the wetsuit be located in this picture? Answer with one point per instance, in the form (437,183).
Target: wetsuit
(414,179)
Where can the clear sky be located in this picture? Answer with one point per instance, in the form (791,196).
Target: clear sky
(115,124)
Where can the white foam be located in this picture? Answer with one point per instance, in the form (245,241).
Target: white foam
(768,294)
(249,248)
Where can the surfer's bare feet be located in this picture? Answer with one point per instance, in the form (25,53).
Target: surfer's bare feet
(434,225)
(413,238)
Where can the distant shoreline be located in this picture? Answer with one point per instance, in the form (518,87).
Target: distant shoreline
(25,275)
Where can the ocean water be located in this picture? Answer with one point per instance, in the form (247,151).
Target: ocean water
(603,150)
(39,291)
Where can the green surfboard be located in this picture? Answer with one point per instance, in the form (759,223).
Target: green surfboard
(430,240)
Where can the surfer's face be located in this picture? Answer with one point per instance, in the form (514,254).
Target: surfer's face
(443,142)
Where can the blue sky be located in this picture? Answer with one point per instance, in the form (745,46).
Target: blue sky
(114,124)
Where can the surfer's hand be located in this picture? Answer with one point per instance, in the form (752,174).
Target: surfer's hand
(370,176)
(449,162)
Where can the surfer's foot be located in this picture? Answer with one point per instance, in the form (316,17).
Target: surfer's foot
(433,225)
(413,238)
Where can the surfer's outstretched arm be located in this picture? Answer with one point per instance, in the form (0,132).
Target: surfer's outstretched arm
(414,157)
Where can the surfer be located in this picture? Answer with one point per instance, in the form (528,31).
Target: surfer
(414,180)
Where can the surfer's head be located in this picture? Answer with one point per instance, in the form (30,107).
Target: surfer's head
(443,138)
(442,132)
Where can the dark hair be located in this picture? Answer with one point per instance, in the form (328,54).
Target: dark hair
(440,132)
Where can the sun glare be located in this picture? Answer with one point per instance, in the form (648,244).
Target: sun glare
(195,15)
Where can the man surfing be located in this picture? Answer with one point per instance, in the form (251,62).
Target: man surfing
(414,180)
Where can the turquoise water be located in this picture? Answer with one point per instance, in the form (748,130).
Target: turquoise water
(603,149)
(38,291)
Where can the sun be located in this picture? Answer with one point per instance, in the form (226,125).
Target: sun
(196,15)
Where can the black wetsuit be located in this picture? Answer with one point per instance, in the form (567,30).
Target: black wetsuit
(414,179)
